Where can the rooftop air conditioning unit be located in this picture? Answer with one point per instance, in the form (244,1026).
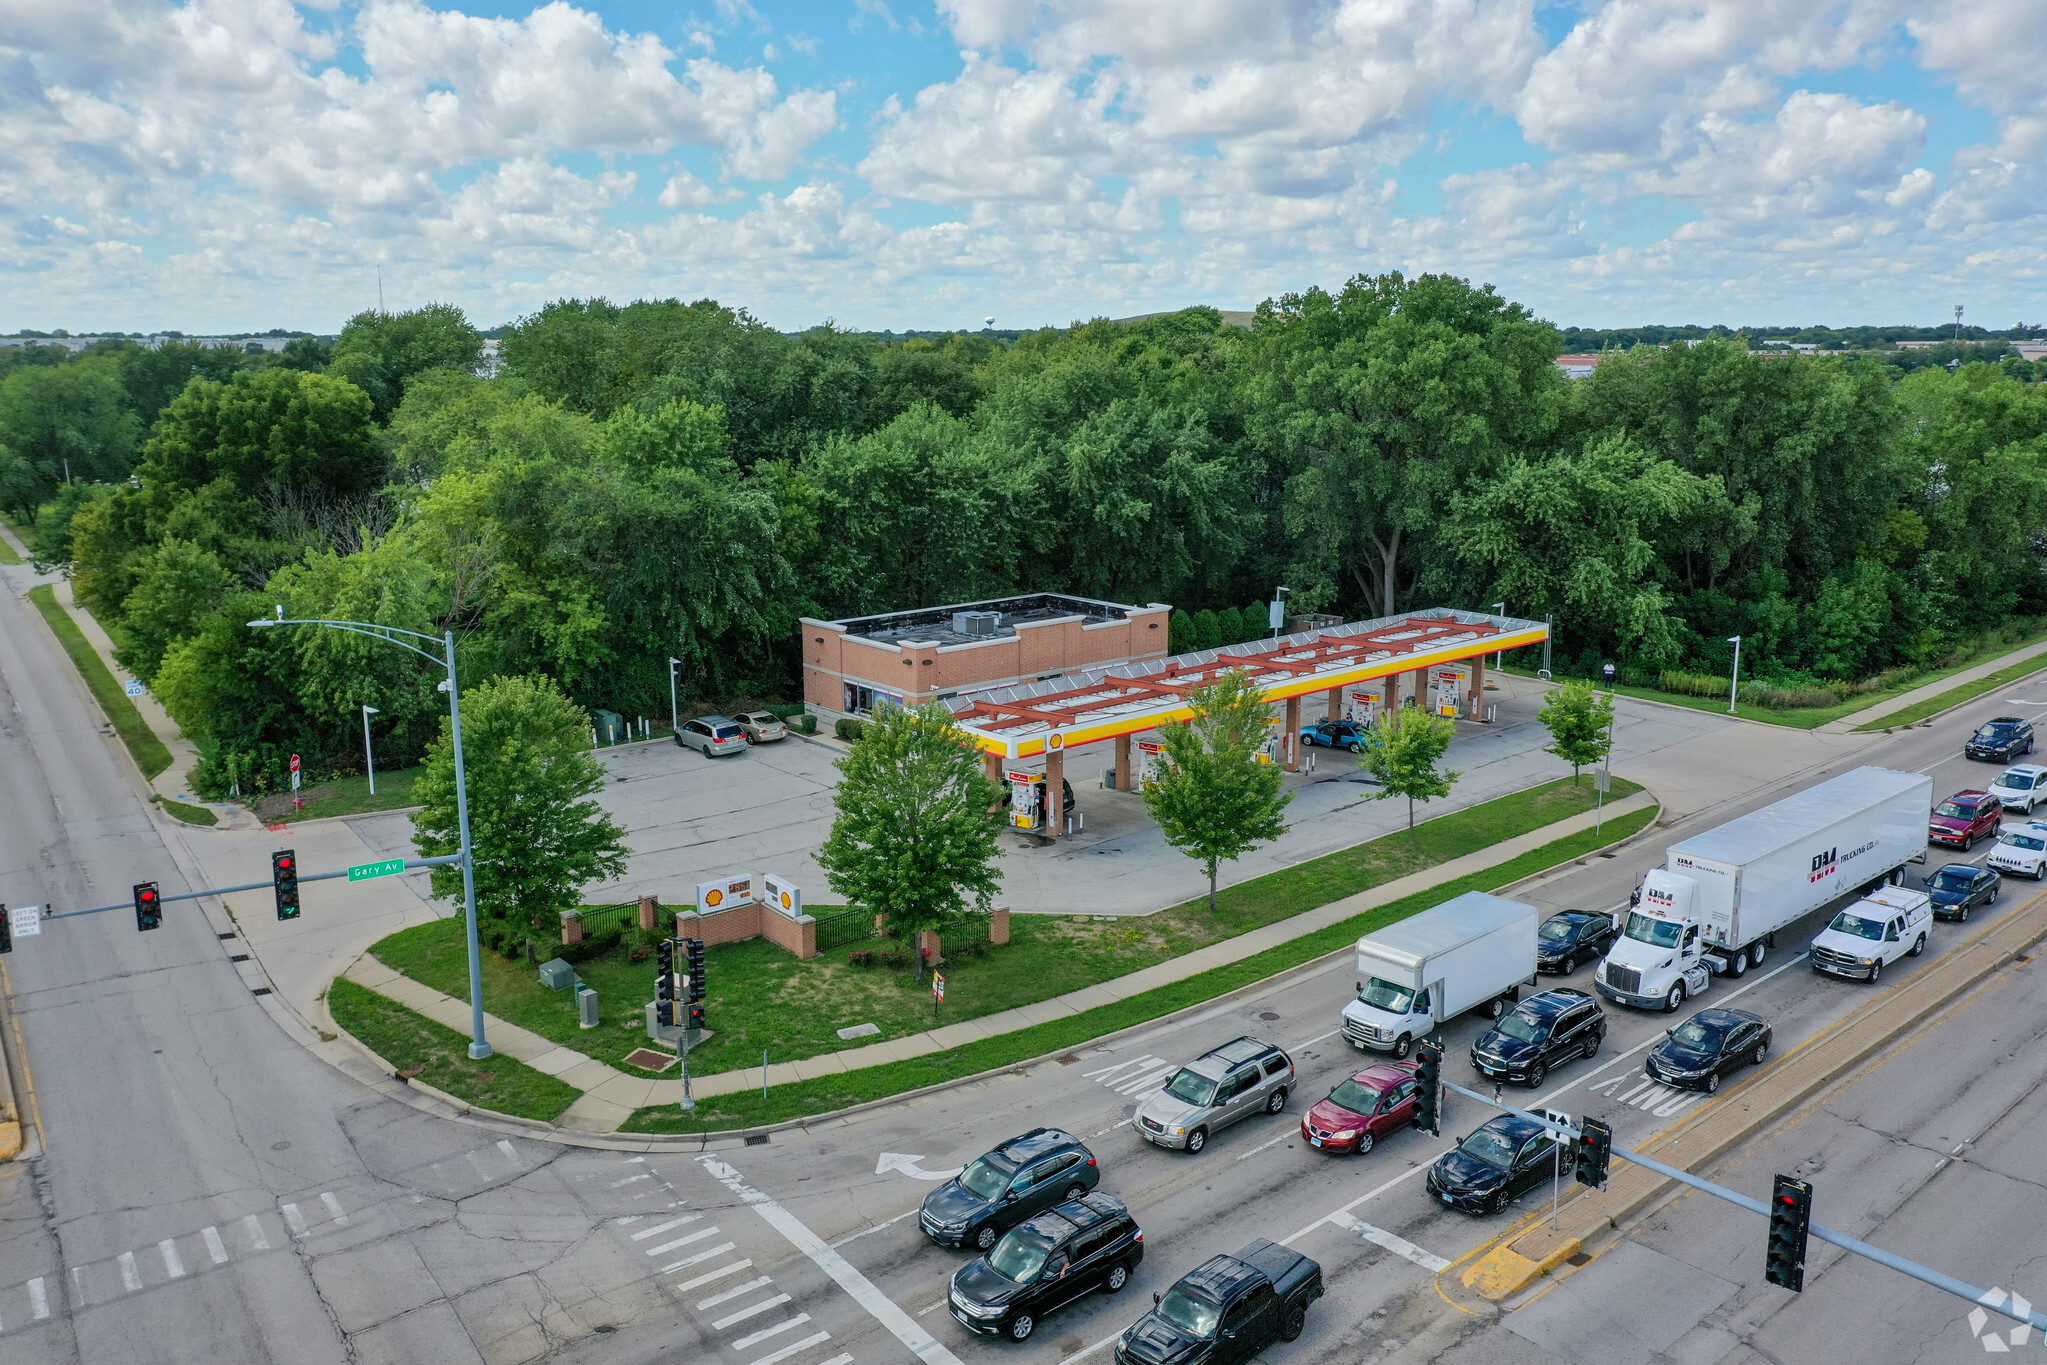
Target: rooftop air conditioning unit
(976,624)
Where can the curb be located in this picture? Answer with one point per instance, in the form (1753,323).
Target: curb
(461,1107)
(1929,719)
(1524,1253)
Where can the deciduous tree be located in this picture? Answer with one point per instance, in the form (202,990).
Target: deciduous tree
(1578,717)
(1410,746)
(1212,798)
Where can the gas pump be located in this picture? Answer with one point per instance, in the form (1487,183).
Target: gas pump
(1360,708)
(1446,687)
(1151,757)
(1026,800)
(1272,750)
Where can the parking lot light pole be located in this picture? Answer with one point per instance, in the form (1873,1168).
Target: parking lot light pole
(479,1047)
(1734,679)
(674,710)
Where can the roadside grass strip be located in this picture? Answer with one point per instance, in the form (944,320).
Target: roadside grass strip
(149,752)
(341,796)
(7,554)
(763,999)
(829,1093)
(1955,696)
(409,1041)
(191,815)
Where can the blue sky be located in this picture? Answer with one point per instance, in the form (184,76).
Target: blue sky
(226,164)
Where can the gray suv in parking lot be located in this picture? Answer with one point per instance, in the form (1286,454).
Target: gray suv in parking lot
(1244,1076)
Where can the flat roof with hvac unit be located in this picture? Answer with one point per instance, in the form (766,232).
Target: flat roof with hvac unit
(1082,707)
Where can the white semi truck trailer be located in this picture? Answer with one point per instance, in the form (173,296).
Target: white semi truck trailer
(1718,900)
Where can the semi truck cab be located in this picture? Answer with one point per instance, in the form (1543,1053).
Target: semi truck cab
(1661,957)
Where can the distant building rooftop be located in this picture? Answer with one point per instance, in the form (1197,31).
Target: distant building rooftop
(969,622)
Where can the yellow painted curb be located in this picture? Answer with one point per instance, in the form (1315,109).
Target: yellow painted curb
(10,1140)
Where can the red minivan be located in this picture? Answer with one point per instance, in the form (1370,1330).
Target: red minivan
(1363,1108)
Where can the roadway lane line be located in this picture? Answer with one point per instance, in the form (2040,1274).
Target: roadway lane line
(1373,1193)
(743,1314)
(1263,1145)
(907,1213)
(1320,1037)
(863,1291)
(720,1273)
(1398,1245)
(663,1227)
(733,1293)
(1083,1351)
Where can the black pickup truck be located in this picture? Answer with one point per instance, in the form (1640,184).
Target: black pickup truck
(1226,1310)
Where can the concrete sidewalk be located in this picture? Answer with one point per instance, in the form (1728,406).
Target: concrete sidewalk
(1933,689)
(610,1096)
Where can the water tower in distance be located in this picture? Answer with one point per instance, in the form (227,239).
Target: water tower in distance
(987,322)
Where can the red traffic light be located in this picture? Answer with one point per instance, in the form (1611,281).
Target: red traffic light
(284,864)
(148,896)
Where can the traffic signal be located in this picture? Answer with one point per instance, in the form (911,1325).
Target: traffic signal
(284,880)
(1790,1217)
(1428,1076)
(664,983)
(699,980)
(696,1017)
(148,907)
(1595,1149)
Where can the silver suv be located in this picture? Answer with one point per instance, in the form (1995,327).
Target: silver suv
(1242,1077)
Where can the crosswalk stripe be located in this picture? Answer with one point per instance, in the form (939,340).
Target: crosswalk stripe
(511,1152)
(215,1248)
(696,1259)
(334,1208)
(38,1299)
(645,1233)
(730,1294)
(172,1266)
(744,1313)
(696,1236)
(255,1230)
(295,1220)
(796,1348)
(775,1331)
(720,1273)
(131,1278)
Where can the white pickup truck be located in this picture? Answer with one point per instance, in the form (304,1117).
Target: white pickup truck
(1873,933)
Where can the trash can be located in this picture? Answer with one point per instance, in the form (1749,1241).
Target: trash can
(586,1004)
(557,975)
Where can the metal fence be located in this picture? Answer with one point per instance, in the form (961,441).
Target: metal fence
(848,926)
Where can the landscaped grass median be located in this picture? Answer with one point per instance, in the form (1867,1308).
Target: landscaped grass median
(342,796)
(191,815)
(149,752)
(761,998)
(747,1108)
(408,1040)
(1955,696)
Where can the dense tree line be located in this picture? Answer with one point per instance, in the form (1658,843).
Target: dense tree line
(659,478)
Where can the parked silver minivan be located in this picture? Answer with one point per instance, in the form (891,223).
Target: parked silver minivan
(1244,1076)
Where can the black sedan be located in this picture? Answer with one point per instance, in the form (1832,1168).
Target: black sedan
(1711,1044)
(1570,938)
(1335,734)
(1497,1164)
(1959,888)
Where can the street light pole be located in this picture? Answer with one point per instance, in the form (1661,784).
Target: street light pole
(1499,655)
(479,1046)
(1734,681)
(369,755)
(674,710)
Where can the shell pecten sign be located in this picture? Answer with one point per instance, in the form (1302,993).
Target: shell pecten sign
(724,894)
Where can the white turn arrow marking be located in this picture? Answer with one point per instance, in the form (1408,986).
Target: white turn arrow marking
(906,1162)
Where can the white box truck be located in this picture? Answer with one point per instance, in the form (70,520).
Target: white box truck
(1719,898)
(1412,976)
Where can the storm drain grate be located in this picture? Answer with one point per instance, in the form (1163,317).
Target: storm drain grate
(239,957)
(1068,1060)
(757,1140)
(1577,1258)
(228,934)
(260,990)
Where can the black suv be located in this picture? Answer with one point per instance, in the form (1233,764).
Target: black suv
(1575,936)
(1023,1176)
(1540,1033)
(1088,1244)
(2000,740)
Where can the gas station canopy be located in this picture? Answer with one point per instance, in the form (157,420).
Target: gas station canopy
(1081,708)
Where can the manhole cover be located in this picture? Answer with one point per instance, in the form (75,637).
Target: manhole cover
(647,1059)
(1267,1015)
(1069,1059)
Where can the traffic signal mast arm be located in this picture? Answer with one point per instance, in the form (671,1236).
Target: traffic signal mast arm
(1995,1301)
(448,860)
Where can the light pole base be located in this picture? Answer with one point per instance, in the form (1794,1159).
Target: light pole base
(478,1051)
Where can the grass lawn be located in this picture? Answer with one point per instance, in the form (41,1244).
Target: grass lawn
(342,796)
(149,751)
(7,555)
(1955,696)
(747,1108)
(762,998)
(407,1039)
